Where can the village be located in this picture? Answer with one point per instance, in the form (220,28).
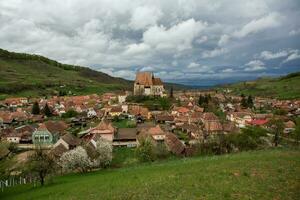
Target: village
(60,123)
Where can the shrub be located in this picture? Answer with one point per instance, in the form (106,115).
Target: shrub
(69,114)
(160,151)
(144,151)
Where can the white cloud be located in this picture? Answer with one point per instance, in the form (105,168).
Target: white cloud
(223,40)
(179,36)
(144,16)
(214,53)
(193,65)
(293,56)
(294,32)
(254,65)
(270,21)
(202,39)
(134,49)
(228,70)
(268,55)
(197,68)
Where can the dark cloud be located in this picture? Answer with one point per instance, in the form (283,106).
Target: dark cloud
(196,42)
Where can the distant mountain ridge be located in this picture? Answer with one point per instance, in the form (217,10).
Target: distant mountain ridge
(23,74)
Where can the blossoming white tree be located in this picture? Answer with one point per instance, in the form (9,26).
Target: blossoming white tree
(104,153)
(76,159)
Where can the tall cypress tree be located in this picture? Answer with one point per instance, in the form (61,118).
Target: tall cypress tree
(171,93)
(250,101)
(47,111)
(35,108)
(244,102)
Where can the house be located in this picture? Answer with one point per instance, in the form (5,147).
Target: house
(289,127)
(57,127)
(257,122)
(146,84)
(115,111)
(43,136)
(192,130)
(178,111)
(155,133)
(174,145)
(240,118)
(122,97)
(25,132)
(15,102)
(164,118)
(103,129)
(212,127)
(125,137)
(91,113)
(13,137)
(141,111)
(65,143)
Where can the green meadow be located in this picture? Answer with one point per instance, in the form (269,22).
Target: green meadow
(262,174)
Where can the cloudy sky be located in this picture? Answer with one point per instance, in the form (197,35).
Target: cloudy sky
(197,42)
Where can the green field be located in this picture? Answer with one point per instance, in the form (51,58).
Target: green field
(286,87)
(265,174)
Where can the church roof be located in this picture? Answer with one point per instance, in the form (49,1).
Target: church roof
(147,79)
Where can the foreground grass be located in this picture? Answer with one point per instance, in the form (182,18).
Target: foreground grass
(269,174)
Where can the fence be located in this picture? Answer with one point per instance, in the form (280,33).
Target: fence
(17,180)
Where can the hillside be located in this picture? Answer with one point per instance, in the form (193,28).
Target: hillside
(285,87)
(265,174)
(32,75)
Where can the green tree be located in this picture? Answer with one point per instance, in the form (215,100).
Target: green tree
(47,111)
(244,102)
(250,102)
(297,130)
(201,100)
(276,126)
(35,108)
(171,93)
(70,113)
(41,164)
(144,151)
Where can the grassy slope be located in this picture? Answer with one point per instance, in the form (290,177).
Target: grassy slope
(29,75)
(270,174)
(287,87)
(32,75)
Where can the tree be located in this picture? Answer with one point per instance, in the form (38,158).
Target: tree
(76,159)
(244,102)
(47,111)
(250,102)
(103,152)
(35,108)
(297,130)
(201,100)
(41,163)
(171,93)
(144,151)
(276,126)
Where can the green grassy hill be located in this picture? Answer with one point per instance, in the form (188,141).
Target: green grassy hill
(32,75)
(265,174)
(286,87)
